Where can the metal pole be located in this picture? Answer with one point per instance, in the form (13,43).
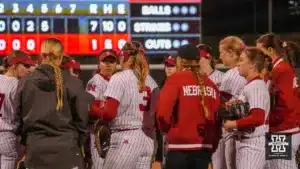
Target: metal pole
(254,17)
(270,15)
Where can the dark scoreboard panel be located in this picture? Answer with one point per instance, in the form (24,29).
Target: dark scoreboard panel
(87,26)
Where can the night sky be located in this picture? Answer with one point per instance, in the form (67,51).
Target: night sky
(249,16)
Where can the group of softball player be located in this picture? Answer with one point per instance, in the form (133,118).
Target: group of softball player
(47,114)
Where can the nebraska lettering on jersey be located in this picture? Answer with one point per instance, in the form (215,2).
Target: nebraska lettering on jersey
(194,90)
(136,108)
(8,89)
(97,86)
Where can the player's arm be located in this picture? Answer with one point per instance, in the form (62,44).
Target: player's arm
(167,100)
(224,88)
(114,94)
(159,135)
(80,101)
(257,101)
(19,116)
(284,85)
(93,87)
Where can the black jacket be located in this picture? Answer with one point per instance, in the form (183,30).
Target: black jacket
(52,137)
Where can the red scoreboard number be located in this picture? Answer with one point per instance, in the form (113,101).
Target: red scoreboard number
(81,33)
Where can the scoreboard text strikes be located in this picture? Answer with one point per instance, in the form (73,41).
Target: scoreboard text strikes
(86,27)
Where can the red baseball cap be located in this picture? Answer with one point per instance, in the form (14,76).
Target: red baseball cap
(72,64)
(106,54)
(171,61)
(24,60)
(205,51)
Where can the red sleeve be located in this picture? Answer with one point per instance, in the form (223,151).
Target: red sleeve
(283,82)
(257,118)
(95,108)
(167,99)
(109,112)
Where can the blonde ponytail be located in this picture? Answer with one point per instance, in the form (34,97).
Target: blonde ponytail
(59,85)
(142,69)
(52,52)
(137,62)
(193,66)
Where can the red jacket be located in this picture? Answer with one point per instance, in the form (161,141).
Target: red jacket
(187,127)
(285,115)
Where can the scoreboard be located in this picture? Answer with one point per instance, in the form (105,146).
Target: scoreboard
(87,26)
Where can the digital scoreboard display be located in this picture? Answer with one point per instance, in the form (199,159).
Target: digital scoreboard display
(87,26)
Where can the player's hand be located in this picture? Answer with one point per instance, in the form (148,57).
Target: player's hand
(229,125)
(156,165)
(232,102)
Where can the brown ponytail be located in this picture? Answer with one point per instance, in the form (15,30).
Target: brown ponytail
(193,66)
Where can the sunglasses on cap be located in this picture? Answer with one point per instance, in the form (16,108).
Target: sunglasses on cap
(27,66)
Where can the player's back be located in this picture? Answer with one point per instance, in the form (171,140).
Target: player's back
(134,104)
(8,86)
(39,108)
(188,119)
(189,96)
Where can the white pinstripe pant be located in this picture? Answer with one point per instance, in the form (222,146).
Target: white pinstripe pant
(230,150)
(97,160)
(130,150)
(218,157)
(250,153)
(8,150)
(287,164)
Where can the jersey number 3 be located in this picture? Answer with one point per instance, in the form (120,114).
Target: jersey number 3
(146,98)
(2,96)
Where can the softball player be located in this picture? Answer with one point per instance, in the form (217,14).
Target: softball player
(208,67)
(97,86)
(71,65)
(170,65)
(17,65)
(186,112)
(231,87)
(53,107)
(207,64)
(252,127)
(284,116)
(130,105)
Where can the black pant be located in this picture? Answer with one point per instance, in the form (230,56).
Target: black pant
(188,159)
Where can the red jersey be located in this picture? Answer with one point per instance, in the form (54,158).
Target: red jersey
(285,114)
(186,126)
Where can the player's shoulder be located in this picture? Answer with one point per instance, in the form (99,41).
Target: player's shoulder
(8,83)
(180,74)
(208,82)
(218,73)
(123,74)
(8,79)
(259,84)
(283,67)
(231,72)
(96,79)
(234,74)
